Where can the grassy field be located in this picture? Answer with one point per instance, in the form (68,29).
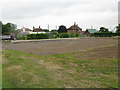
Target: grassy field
(68,70)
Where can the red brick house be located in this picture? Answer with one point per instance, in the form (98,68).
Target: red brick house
(75,29)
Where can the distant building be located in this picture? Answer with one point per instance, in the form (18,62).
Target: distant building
(26,30)
(75,29)
(38,29)
(23,31)
(90,31)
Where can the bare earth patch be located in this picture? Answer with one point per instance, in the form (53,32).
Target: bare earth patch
(59,46)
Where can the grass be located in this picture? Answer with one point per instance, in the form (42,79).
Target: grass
(23,70)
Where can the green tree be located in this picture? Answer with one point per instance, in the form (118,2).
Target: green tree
(8,28)
(103,30)
(0,27)
(118,29)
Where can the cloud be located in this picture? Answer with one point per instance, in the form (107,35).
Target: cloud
(35,9)
(42,12)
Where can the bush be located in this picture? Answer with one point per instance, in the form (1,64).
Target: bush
(37,36)
(77,35)
(110,34)
(63,35)
(72,35)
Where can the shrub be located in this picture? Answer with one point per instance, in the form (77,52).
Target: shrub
(72,35)
(37,36)
(77,35)
(63,35)
(110,34)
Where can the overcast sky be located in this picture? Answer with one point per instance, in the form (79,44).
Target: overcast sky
(29,13)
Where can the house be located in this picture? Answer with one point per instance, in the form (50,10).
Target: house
(90,31)
(26,30)
(74,29)
(37,29)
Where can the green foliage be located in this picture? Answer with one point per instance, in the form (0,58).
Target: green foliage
(8,28)
(77,34)
(72,35)
(109,34)
(118,29)
(63,35)
(103,30)
(37,36)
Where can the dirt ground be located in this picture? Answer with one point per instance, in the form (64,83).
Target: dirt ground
(48,47)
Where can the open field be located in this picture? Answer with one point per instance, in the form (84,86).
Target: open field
(48,47)
(73,63)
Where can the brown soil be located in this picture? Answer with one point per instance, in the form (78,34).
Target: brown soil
(48,47)
(107,52)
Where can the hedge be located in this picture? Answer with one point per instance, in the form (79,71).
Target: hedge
(63,35)
(110,34)
(37,36)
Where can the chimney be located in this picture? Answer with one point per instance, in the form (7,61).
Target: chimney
(33,27)
(74,23)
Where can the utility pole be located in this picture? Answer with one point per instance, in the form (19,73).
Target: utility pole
(91,27)
(56,27)
(48,26)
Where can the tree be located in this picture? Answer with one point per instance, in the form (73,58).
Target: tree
(62,29)
(118,29)
(8,28)
(103,30)
(0,27)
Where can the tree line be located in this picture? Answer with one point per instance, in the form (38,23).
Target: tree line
(12,28)
(8,28)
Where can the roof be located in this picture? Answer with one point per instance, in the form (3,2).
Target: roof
(74,27)
(91,30)
(37,29)
(27,29)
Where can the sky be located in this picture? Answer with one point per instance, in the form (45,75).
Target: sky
(86,13)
